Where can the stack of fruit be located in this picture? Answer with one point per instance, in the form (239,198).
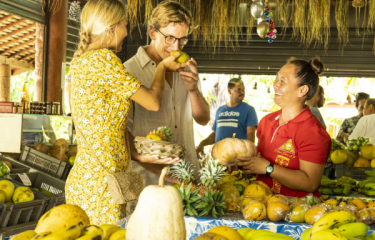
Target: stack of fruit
(10,195)
(351,157)
(158,143)
(228,233)
(336,145)
(337,225)
(341,187)
(356,145)
(70,222)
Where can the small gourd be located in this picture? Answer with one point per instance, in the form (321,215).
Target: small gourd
(159,214)
(228,149)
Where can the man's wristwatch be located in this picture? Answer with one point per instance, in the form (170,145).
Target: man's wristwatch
(269,170)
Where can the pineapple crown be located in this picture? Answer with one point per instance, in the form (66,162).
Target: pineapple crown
(212,173)
(167,132)
(212,203)
(190,200)
(183,171)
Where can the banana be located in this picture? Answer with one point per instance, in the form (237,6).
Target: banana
(346,189)
(370,185)
(327,235)
(68,233)
(370,173)
(357,229)
(370,178)
(108,230)
(119,235)
(41,235)
(332,220)
(306,234)
(338,191)
(369,192)
(244,231)
(327,191)
(91,232)
(25,235)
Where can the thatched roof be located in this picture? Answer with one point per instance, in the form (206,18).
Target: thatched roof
(17,40)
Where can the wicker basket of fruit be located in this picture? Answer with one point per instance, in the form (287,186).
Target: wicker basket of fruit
(158,144)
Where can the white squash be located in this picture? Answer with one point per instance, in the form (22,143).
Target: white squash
(158,215)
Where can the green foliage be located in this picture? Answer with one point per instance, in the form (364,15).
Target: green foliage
(16,84)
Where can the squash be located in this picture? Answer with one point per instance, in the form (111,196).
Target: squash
(61,217)
(228,149)
(159,214)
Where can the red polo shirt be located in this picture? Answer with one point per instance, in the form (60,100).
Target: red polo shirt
(303,137)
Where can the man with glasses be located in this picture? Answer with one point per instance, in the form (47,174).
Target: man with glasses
(235,117)
(169,26)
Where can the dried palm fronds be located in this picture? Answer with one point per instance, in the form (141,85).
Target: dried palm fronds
(134,12)
(53,5)
(326,22)
(315,16)
(249,21)
(148,9)
(341,15)
(284,15)
(299,21)
(196,20)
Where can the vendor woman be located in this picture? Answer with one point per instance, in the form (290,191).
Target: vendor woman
(293,146)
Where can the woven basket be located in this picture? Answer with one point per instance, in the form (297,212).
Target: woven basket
(160,149)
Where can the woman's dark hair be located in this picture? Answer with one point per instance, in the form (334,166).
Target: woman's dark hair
(308,74)
(370,101)
(360,96)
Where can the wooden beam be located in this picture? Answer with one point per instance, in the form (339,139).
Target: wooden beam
(22,52)
(27,56)
(18,46)
(18,31)
(16,63)
(12,24)
(6,18)
(18,39)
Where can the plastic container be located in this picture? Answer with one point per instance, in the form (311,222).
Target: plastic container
(45,163)
(44,181)
(6,107)
(13,214)
(357,173)
(17,167)
(9,232)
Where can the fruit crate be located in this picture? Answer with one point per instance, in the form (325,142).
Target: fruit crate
(17,167)
(9,232)
(357,173)
(18,213)
(44,181)
(45,163)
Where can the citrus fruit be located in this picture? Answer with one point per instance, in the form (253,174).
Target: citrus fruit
(183,58)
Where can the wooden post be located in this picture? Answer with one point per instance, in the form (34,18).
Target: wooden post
(5,82)
(58,26)
(38,62)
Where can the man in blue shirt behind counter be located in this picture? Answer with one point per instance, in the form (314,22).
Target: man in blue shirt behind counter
(235,117)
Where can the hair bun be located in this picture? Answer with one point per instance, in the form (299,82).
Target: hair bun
(316,65)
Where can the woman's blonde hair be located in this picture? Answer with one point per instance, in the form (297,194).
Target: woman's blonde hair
(98,18)
(170,12)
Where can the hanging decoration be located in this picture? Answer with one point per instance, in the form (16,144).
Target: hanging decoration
(284,15)
(326,23)
(265,27)
(299,21)
(341,16)
(249,21)
(75,11)
(314,23)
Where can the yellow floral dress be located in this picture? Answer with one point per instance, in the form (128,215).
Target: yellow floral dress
(100,92)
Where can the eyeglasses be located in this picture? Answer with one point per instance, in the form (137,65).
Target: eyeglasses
(171,40)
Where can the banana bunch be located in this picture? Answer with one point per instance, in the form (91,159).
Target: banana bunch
(253,234)
(104,232)
(341,187)
(368,186)
(338,225)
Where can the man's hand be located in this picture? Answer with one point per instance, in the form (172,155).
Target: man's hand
(156,160)
(191,77)
(199,151)
(253,165)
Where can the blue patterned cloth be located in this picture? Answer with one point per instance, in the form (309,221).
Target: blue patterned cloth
(196,226)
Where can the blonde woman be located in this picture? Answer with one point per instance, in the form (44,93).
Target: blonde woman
(101,90)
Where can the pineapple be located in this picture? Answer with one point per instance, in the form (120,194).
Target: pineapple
(212,203)
(190,200)
(184,172)
(164,133)
(211,174)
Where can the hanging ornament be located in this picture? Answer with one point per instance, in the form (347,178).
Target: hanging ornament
(257,9)
(263,29)
(270,40)
(266,13)
(75,11)
(274,31)
(255,86)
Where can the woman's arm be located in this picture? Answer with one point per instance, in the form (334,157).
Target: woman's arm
(306,179)
(151,98)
